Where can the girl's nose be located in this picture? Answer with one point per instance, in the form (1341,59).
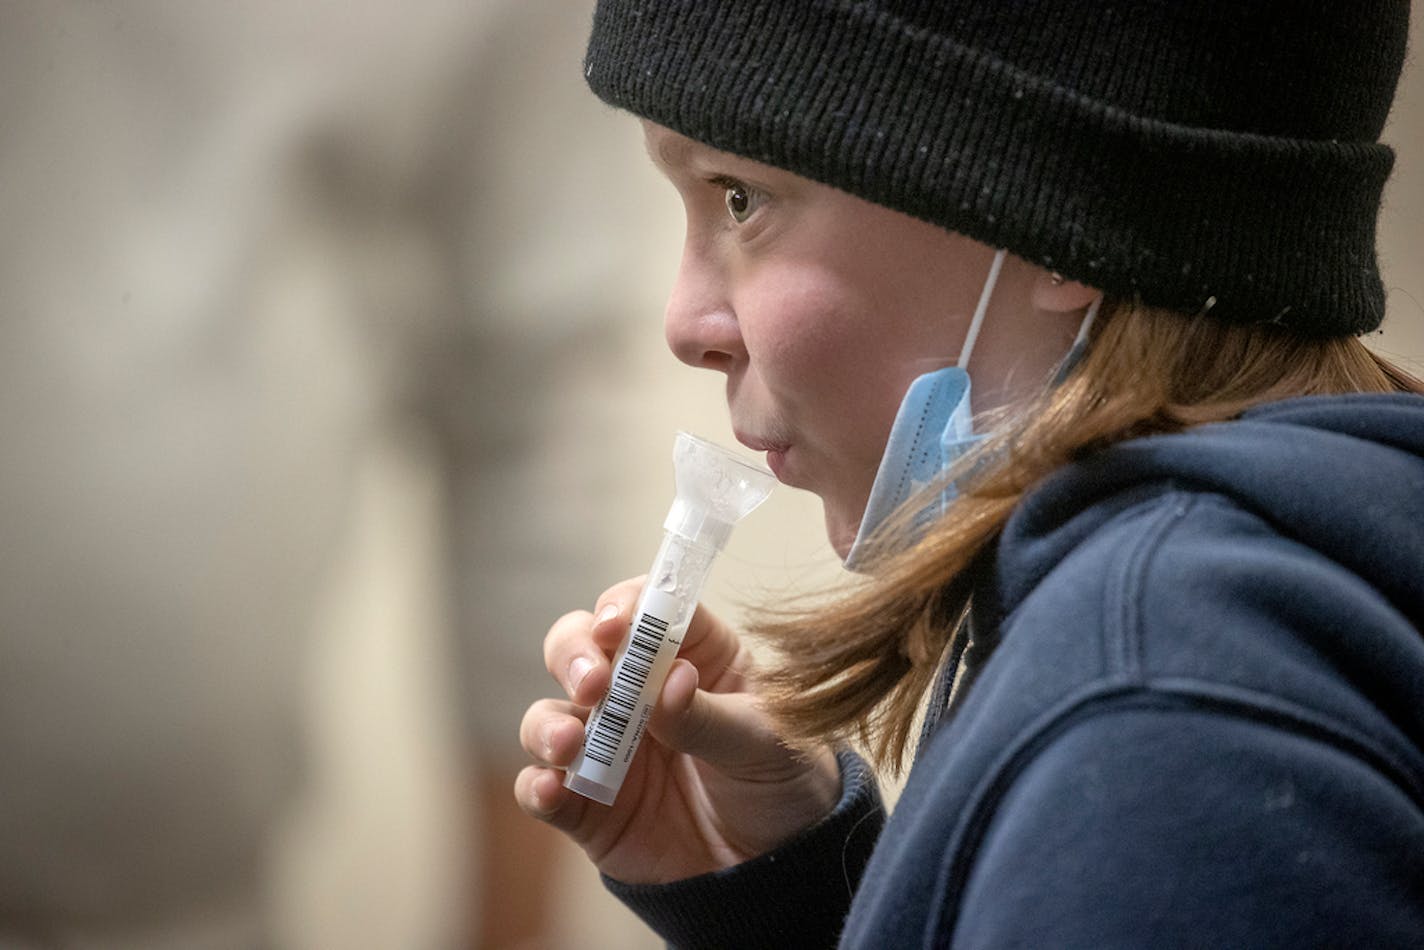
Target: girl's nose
(700,323)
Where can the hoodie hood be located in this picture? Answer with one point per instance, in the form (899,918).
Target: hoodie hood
(1343,475)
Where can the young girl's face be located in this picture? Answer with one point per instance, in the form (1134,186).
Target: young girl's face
(819,307)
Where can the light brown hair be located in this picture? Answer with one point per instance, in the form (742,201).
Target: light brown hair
(857,666)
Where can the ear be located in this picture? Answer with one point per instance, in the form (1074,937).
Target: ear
(1054,294)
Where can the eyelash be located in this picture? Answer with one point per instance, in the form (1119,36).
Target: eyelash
(729,184)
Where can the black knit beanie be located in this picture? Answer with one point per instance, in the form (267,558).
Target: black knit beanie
(1215,156)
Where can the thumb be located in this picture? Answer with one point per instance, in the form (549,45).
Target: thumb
(728,731)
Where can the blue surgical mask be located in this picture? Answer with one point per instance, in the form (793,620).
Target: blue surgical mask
(933,429)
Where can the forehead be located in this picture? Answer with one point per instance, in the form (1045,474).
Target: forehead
(669,149)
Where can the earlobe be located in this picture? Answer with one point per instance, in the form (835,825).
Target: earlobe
(1055,294)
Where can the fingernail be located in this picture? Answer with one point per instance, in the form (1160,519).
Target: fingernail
(578,669)
(608,612)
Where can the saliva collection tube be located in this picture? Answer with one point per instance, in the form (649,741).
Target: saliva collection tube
(715,490)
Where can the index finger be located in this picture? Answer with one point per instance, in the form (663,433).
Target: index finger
(708,643)
(614,611)
(578,648)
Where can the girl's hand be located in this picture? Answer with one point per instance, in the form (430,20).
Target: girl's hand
(711,784)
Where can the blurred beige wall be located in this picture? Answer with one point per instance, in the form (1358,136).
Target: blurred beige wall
(297,298)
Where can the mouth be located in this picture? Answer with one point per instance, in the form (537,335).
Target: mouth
(775,451)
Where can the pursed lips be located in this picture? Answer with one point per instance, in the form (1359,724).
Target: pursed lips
(775,451)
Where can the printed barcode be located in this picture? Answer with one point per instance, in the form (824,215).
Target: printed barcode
(612,718)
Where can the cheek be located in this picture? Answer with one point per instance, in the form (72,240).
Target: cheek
(822,352)
(814,338)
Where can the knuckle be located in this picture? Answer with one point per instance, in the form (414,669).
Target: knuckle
(564,631)
(529,727)
(623,592)
(694,725)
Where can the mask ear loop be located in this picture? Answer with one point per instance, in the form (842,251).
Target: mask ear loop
(1080,344)
(981,309)
(1083,328)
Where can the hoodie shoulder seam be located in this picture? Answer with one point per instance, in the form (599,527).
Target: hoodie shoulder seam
(1126,585)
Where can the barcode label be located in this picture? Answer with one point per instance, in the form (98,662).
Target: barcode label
(610,721)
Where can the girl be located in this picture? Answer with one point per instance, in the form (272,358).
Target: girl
(1159,632)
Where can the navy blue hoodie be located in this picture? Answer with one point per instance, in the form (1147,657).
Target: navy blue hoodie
(1202,723)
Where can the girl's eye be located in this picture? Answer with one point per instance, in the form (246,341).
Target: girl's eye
(742,201)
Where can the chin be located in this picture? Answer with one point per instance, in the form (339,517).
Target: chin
(840,531)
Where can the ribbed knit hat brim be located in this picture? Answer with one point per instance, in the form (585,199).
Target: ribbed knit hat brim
(1249,227)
